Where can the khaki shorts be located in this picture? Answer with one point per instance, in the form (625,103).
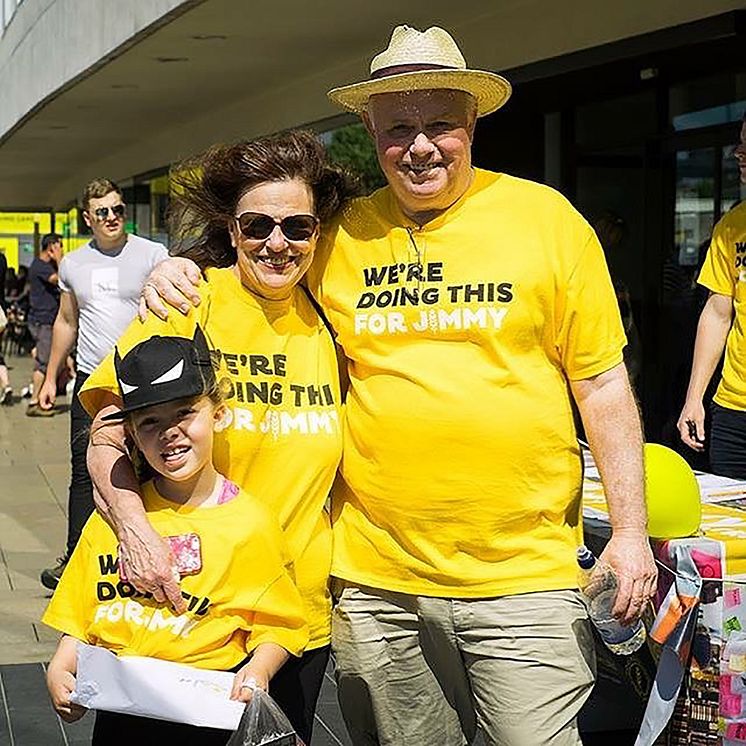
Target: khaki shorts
(414,669)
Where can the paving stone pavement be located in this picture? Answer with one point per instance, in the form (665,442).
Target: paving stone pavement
(34,476)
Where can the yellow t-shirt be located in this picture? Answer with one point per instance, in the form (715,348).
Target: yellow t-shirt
(277,363)
(243,595)
(461,473)
(724,272)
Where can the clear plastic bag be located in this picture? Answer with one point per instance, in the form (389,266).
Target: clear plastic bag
(263,723)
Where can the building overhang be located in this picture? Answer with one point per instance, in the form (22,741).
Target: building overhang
(223,70)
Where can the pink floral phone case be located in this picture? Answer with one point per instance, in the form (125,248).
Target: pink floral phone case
(187,551)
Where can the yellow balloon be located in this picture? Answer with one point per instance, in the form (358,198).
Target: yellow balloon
(672,492)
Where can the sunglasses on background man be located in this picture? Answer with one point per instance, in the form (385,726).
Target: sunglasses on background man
(102,213)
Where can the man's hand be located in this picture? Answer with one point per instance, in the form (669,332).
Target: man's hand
(628,553)
(174,282)
(47,394)
(691,425)
(150,566)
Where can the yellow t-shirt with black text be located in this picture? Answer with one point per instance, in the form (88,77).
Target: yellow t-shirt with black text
(276,363)
(724,272)
(461,472)
(239,599)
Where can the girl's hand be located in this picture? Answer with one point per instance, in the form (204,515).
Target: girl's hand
(252,676)
(61,684)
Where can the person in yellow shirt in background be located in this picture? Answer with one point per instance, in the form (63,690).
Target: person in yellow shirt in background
(252,212)
(241,599)
(473,308)
(722,326)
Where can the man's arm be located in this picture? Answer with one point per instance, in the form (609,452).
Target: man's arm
(64,334)
(712,331)
(149,563)
(612,425)
(53,278)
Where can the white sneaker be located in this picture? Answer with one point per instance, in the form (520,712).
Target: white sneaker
(27,391)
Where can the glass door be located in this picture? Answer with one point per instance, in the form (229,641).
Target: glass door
(732,190)
(694,212)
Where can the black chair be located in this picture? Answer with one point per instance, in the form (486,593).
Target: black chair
(17,338)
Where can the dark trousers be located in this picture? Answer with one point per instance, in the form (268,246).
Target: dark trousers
(80,501)
(113,729)
(296,688)
(728,442)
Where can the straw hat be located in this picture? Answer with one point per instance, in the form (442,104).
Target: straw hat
(423,60)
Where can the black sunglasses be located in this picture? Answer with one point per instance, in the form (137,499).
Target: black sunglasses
(258,226)
(103,212)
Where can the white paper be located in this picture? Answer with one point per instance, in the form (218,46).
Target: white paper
(590,470)
(715,489)
(154,688)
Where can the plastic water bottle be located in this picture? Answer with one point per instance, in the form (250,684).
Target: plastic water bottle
(600,595)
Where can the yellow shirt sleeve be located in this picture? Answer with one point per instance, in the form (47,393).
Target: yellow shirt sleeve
(279,618)
(716,273)
(278,613)
(590,337)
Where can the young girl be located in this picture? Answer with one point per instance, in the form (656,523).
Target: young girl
(240,598)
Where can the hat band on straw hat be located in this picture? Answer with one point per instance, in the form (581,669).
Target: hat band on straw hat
(385,72)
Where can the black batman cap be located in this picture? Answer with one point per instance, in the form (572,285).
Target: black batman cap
(163,369)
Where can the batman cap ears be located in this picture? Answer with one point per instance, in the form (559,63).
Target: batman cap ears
(163,369)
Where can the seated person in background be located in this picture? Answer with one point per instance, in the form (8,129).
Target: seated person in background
(6,390)
(241,599)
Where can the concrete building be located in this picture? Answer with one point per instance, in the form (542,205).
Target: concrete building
(629,108)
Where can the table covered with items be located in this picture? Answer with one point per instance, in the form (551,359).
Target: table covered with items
(691,677)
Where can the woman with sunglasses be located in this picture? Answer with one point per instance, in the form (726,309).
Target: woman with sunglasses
(251,212)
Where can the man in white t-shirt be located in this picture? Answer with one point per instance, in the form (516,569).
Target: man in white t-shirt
(100,287)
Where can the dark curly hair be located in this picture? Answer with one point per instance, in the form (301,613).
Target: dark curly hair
(206,189)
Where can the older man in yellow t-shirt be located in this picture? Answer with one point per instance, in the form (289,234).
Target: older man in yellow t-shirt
(473,308)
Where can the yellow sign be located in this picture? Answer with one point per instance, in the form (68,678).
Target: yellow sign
(23,222)
(66,223)
(159,185)
(72,243)
(9,247)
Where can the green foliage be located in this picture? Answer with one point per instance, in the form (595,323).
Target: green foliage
(352,147)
